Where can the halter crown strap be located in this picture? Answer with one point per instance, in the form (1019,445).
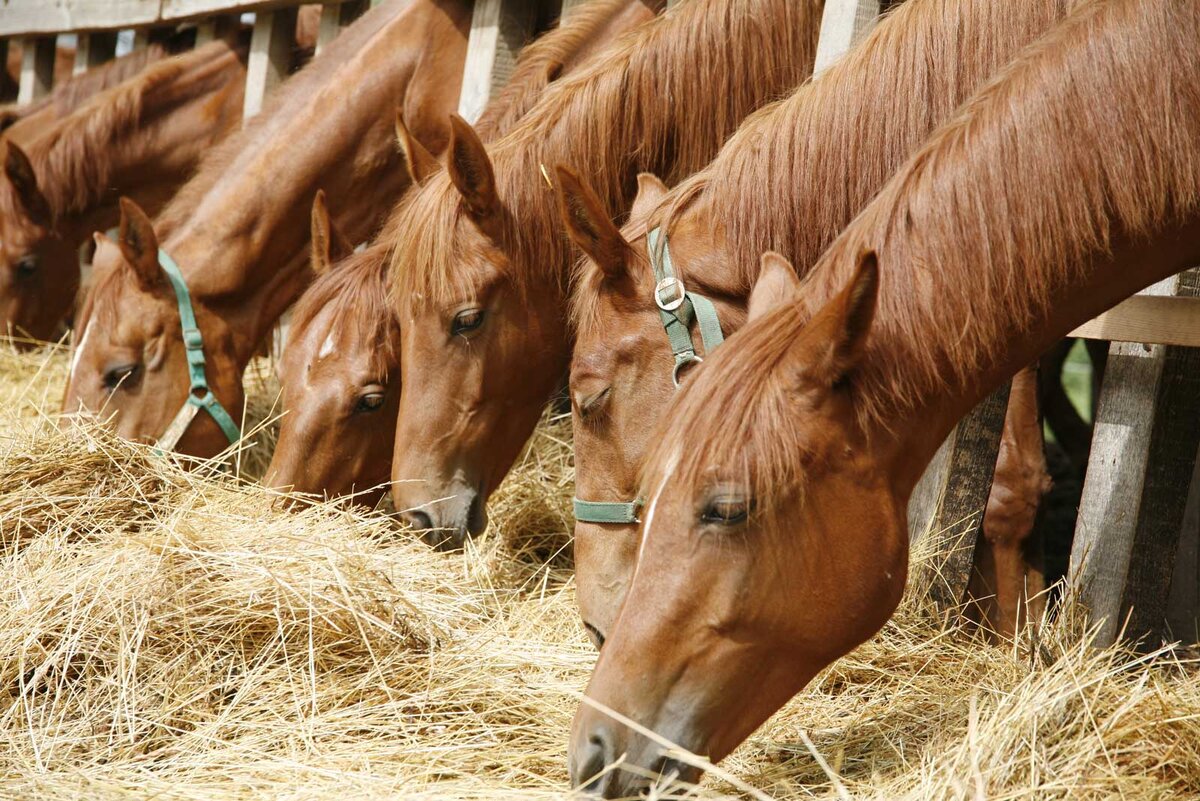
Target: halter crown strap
(678,309)
(200,397)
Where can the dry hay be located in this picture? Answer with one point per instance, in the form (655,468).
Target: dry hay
(172,635)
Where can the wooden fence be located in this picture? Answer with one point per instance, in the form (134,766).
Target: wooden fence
(1128,551)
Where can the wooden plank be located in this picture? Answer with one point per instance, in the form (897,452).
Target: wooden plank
(499,29)
(1183,602)
(1151,319)
(970,465)
(218,27)
(22,17)
(93,49)
(37,68)
(1143,453)
(335,17)
(843,24)
(270,57)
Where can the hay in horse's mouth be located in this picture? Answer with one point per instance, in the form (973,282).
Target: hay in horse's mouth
(168,633)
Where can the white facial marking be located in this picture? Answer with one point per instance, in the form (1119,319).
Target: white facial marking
(326,347)
(79,348)
(653,506)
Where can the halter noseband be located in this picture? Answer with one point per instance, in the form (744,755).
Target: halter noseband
(199,395)
(679,309)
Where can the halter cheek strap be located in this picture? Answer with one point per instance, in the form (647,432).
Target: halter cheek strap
(679,309)
(200,397)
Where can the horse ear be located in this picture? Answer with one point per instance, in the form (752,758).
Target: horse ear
(471,170)
(588,225)
(776,285)
(852,313)
(329,245)
(420,162)
(24,181)
(651,191)
(139,244)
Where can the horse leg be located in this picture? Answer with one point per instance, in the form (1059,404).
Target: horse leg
(1009,571)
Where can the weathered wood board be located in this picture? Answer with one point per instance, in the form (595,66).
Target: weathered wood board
(1143,455)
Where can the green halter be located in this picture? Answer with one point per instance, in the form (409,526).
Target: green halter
(678,309)
(199,395)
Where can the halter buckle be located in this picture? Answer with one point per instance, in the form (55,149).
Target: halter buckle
(685,361)
(673,302)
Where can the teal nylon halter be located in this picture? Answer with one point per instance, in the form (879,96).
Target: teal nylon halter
(200,397)
(679,309)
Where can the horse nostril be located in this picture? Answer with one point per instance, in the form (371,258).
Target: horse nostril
(416,520)
(595,634)
(596,756)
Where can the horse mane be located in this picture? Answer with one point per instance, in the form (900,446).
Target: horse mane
(74,157)
(293,95)
(608,121)
(1034,177)
(78,89)
(797,172)
(540,63)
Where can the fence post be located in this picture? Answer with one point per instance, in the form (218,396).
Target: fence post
(957,491)
(270,56)
(334,17)
(93,49)
(842,25)
(1143,454)
(499,29)
(37,68)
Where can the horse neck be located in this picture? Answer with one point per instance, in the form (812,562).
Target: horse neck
(984,264)
(1133,265)
(242,244)
(179,120)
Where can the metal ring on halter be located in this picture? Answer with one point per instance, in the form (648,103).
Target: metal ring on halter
(687,361)
(670,282)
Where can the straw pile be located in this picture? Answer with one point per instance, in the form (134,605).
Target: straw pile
(172,635)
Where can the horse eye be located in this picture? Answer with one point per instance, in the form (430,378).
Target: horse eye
(467,321)
(726,511)
(125,376)
(369,402)
(27,266)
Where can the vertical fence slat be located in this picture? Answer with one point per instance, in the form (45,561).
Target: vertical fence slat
(499,29)
(1183,603)
(334,17)
(842,25)
(37,68)
(963,489)
(1143,454)
(93,49)
(270,55)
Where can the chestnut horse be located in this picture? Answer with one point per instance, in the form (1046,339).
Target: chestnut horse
(340,369)
(910,74)
(775,539)
(141,139)
(237,229)
(481,269)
